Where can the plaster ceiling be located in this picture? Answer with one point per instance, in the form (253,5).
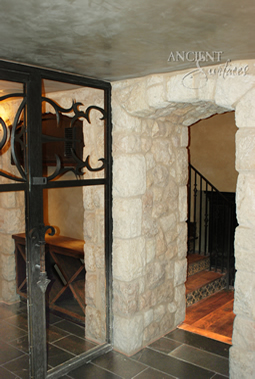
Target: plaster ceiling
(118,39)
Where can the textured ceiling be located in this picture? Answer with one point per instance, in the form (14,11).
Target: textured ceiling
(117,39)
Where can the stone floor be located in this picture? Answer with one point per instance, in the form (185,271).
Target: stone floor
(180,354)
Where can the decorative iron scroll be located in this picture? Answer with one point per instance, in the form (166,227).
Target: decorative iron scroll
(77,170)
(17,136)
(14,137)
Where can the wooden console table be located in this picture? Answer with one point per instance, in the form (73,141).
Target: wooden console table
(65,268)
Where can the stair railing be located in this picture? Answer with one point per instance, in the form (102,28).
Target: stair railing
(211,224)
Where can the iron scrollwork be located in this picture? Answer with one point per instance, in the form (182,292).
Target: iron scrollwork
(80,164)
(14,138)
(17,137)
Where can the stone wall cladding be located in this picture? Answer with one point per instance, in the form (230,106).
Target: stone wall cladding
(150,116)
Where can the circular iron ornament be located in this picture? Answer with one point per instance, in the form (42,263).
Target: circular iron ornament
(3,133)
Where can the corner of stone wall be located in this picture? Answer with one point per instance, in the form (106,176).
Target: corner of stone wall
(242,352)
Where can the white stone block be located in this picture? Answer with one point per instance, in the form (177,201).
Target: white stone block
(245,149)
(122,121)
(244,333)
(127,218)
(168,222)
(183,203)
(180,272)
(180,88)
(123,329)
(245,200)
(245,110)
(129,175)
(129,257)
(156,96)
(244,294)
(242,363)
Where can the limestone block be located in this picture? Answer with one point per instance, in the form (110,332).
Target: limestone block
(124,328)
(171,192)
(126,296)
(146,143)
(91,289)
(168,222)
(127,218)
(8,267)
(126,143)
(182,240)
(184,136)
(89,226)
(180,300)
(150,161)
(160,209)
(150,249)
(122,121)
(242,363)
(151,332)
(129,258)
(182,166)
(244,294)
(148,317)
(149,225)
(180,88)
(7,244)
(160,128)
(8,200)
(161,150)
(156,96)
(136,103)
(244,249)
(172,307)
(95,327)
(245,149)
(167,323)
(159,312)
(93,197)
(145,300)
(12,221)
(163,293)
(147,201)
(170,265)
(183,203)
(171,236)
(129,175)
(180,272)
(245,200)
(155,274)
(245,110)
(9,291)
(244,333)
(161,245)
(160,175)
(231,89)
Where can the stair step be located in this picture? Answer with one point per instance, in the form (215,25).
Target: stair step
(197,263)
(203,284)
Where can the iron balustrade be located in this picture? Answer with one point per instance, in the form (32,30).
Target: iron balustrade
(211,224)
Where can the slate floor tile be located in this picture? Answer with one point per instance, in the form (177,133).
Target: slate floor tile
(19,320)
(150,373)
(57,356)
(5,374)
(202,358)
(75,344)
(54,333)
(164,345)
(71,328)
(200,342)
(21,344)
(19,367)
(119,364)
(8,353)
(10,332)
(171,365)
(91,371)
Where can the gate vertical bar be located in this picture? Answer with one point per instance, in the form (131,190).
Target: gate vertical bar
(34,220)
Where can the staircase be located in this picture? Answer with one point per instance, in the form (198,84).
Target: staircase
(202,282)
(211,228)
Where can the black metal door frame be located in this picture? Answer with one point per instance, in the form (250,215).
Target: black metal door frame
(32,182)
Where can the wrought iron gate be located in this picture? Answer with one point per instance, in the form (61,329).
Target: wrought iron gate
(25,135)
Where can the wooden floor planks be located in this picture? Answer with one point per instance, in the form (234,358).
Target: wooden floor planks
(212,317)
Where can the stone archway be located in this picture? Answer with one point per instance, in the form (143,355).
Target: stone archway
(150,138)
